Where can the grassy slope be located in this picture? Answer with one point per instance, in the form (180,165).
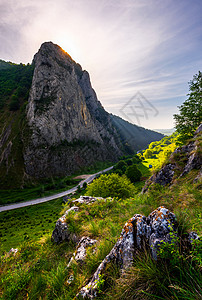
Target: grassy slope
(39,268)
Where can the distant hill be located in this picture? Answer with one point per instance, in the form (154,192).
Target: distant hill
(165,131)
(132,136)
(52,124)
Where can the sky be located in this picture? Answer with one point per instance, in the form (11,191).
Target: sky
(140,54)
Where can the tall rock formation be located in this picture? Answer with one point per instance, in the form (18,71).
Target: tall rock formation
(69,126)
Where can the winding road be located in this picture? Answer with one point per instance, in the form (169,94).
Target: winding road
(52,197)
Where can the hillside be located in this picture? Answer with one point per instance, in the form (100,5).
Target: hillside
(52,124)
(145,246)
(132,136)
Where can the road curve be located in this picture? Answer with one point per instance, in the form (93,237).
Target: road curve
(52,197)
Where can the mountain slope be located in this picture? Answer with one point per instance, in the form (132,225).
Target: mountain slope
(132,136)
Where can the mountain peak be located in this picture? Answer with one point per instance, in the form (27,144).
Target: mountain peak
(49,49)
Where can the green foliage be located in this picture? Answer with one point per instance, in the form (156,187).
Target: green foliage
(84,185)
(111,185)
(133,173)
(175,277)
(190,117)
(120,167)
(147,153)
(157,152)
(15,82)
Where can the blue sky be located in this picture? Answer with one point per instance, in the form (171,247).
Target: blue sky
(128,46)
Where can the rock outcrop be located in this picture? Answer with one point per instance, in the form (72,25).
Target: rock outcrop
(61,231)
(139,232)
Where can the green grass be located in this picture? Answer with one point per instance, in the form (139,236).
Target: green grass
(28,224)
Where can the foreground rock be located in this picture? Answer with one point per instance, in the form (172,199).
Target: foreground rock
(80,253)
(61,232)
(138,232)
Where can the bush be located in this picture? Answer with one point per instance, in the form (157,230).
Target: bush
(133,173)
(111,185)
(121,165)
(84,185)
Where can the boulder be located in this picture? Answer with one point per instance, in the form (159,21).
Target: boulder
(61,232)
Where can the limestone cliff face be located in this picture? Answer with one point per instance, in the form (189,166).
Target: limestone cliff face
(69,128)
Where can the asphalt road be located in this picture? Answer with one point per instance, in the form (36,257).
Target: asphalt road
(59,195)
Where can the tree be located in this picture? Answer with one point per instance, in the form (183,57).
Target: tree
(111,185)
(190,117)
(133,173)
(120,167)
(148,153)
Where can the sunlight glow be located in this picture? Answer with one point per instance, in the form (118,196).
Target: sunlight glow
(68,46)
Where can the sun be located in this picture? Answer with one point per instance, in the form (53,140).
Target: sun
(69,46)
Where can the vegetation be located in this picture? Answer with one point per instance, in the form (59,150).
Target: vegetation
(133,173)
(111,185)
(15,82)
(158,152)
(190,116)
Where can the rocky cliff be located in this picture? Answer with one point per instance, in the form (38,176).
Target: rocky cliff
(69,126)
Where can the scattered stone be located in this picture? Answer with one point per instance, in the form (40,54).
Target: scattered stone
(192,236)
(70,279)
(165,175)
(13,251)
(86,199)
(61,232)
(162,222)
(199,129)
(80,253)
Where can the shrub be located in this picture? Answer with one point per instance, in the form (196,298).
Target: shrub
(121,165)
(133,173)
(111,185)
(84,185)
